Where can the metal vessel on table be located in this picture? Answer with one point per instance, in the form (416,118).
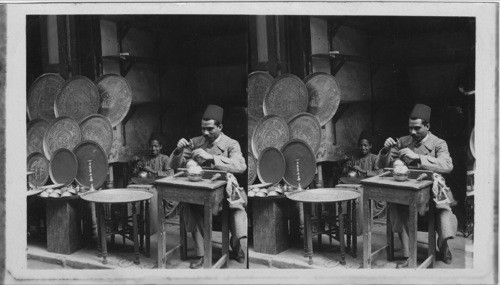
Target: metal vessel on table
(324,96)
(115,97)
(77,99)
(63,133)
(41,96)
(306,127)
(286,97)
(270,131)
(98,128)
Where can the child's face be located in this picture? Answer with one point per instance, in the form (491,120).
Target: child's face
(364,146)
(155,147)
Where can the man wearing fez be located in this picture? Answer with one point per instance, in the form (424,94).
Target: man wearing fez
(421,149)
(215,150)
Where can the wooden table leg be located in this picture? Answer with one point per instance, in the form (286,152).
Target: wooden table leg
(141,226)
(412,228)
(320,225)
(348,226)
(367,233)
(225,232)
(341,237)
(390,235)
(148,230)
(99,233)
(135,233)
(161,235)
(431,251)
(183,236)
(102,227)
(354,227)
(308,232)
(207,235)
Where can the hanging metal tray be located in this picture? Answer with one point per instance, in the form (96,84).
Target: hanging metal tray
(41,96)
(63,133)
(271,165)
(270,131)
(252,168)
(37,163)
(298,149)
(258,84)
(34,134)
(324,96)
(77,99)
(115,97)
(286,97)
(89,150)
(306,127)
(98,128)
(63,167)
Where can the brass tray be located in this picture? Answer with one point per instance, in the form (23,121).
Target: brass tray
(252,168)
(323,195)
(252,123)
(89,150)
(98,128)
(63,167)
(41,96)
(270,131)
(324,96)
(258,83)
(34,134)
(286,97)
(77,99)
(111,196)
(271,165)
(298,149)
(37,163)
(63,133)
(115,97)
(306,127)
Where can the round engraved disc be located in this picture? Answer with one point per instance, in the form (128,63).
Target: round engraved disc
(298,150)
(98,128)
(252,168)
(77,99)
(89,150)
(270,131)
(63,167)
(306,127)
(324,96)
(115,97)
(41,96)
(271,165)
(252,123)
(258,83)
(286,97)
(63,133)
(34,134)
(39,165)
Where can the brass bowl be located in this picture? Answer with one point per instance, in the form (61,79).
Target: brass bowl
(194,176)
(400,176)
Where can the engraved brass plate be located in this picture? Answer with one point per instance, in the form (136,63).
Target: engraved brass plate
(89,150)
(271,165)
(41,96)
(252,168)
(115,97)
(34,134)
(270,131)
(63,167)
(39,165)
(258,83)
(298,149)
(63,133)
(77,99)
(286,97)
(306,127)
(324,96)
(98,128)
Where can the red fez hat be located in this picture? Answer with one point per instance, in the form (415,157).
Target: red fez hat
(421,111)
(213,112)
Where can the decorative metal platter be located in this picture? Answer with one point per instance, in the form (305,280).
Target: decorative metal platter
(34,134)
(77,99)
(271,165)
(252,168)
(115,97)
(323,195)
(298,149)
(258,84)
(63,167)
(89,150)
(286,97)
(324,96)
(270,131)
(98,128)
(38,164)
(306,127)
(123,195)
(41,96)
(252,123)
(63,133)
